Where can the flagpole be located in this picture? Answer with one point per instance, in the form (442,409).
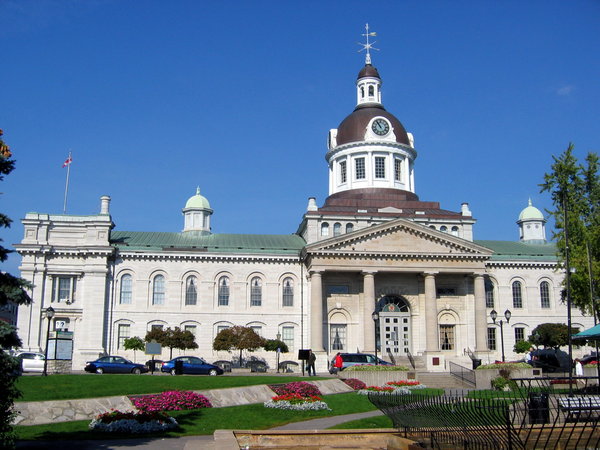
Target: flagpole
(67,184)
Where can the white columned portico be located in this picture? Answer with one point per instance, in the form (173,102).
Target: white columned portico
(432,343)
(480,315)
(316,312)
(369,307)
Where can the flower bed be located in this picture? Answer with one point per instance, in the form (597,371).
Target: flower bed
(301,388)
(375,368)
(171,401)
(132,422)
(297,402)
(405,383)
(355,384)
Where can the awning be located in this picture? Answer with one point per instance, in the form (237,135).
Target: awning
(592,333)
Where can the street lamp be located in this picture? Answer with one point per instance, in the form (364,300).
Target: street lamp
(278,350)
(507,315)
(375,317)
(49,316)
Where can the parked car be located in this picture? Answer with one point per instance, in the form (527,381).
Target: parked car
(114,364)
(357,359)
(550,360)
(31,361)
(190,365)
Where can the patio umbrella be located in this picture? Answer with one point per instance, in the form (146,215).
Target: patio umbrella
(592,334)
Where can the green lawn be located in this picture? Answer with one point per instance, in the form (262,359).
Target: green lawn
(206,421)
(64,387)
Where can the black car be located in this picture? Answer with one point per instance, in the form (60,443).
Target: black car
(550,360)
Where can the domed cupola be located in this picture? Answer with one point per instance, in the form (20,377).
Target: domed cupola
(532,225)
(197,213)
(370,148)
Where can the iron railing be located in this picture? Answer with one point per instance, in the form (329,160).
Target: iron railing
(463,373)
(411,359)
(534,415)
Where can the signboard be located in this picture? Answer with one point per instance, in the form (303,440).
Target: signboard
(153,348)
(60,349)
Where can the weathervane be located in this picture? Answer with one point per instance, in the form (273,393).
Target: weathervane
(368,46)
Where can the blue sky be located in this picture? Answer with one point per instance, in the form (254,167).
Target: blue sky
(155,98)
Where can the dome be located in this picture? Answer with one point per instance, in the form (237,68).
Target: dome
(531,213)
(353,127)
(197,201)
(368,71)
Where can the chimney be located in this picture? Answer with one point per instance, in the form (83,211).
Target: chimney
(104,204)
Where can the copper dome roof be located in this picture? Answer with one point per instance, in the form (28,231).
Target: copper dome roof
(353,127)
(368,71)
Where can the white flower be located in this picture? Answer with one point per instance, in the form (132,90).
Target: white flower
(304,406)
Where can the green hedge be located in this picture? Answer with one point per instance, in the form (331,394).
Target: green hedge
(374,368)
(500,366)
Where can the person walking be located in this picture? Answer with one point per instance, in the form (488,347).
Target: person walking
(311,363)
(338,362)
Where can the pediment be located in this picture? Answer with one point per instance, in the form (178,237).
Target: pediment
(399,237)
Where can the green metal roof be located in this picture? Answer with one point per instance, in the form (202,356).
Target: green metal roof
(197,201)
(520,251)
(192,241)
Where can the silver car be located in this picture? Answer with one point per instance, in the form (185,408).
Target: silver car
(31,361)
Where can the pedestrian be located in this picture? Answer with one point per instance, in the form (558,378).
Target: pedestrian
(529,356)
(338,362)
(311,363)
(578,368)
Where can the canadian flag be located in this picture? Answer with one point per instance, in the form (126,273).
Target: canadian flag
(68,161)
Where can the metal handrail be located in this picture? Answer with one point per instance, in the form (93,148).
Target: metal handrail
(463,373)
(411,359)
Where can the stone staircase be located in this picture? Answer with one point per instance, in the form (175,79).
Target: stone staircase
(441,380)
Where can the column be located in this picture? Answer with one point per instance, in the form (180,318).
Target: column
(316,312)
(432,343)
(369,307)
(480,315)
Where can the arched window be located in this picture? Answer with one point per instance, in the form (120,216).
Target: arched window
(288,292)
(371,91)
(454,231)
(223,291)
(256,292)
(545,294)
(337,229)
(126,290)
(191,290)
(444,229)
(489,293)
(362,92)
(158,290)
(349,228)
(517,297)
(324,229)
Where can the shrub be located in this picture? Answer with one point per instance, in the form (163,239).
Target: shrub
(501,365)
(171,401)
(375,368)
(504,384)
(132,422)
(355,384)
(299,387)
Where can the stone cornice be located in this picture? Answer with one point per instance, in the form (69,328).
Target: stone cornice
(63,251)
(524,265)
(205,257)
(400,256)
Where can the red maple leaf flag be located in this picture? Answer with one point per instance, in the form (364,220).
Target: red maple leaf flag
(68,161)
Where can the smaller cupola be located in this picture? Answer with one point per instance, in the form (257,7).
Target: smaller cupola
(197,213)
(532,225)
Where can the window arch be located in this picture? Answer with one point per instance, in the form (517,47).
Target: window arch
(288,292)
(126,290)
(444,229)
(324,229)
(337,229)
(223,295)
(191,290)
(454,231)
(489,293)
(517,294)
(158,290)
(256,292)
(545,294)
(349,227)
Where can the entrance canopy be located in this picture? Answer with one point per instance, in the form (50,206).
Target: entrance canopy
(592,333)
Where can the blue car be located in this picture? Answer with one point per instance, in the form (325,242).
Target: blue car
(114,364)
(190,365)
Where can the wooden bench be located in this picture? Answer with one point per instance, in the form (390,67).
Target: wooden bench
(580,408)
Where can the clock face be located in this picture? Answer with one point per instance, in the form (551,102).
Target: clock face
(380,127)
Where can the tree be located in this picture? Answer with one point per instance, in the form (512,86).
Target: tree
(12,289)
(271,345)
(134,343)
(552,335)
(522,346)
(577,188)
(172,338)
(238,338)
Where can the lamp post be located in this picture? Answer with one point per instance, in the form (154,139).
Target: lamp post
(49,316)
(278,350)
(507,315)
(375,317)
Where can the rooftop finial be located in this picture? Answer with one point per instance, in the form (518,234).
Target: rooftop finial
(198,190)
(369,45)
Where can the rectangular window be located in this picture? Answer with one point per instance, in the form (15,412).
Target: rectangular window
(122,334)
(447,337)
(288,293)
(342,172)
(190,328)
(338,337)
(359,166)
(380,167)
(545,294)
(156,327)
(221,328)
(397,169)
(517,298)
(63,289)
(287,336)
(257,330)
(519,334)
(489,298)
(256,294)
(491,338)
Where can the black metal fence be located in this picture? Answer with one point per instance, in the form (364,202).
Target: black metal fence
(536,415)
